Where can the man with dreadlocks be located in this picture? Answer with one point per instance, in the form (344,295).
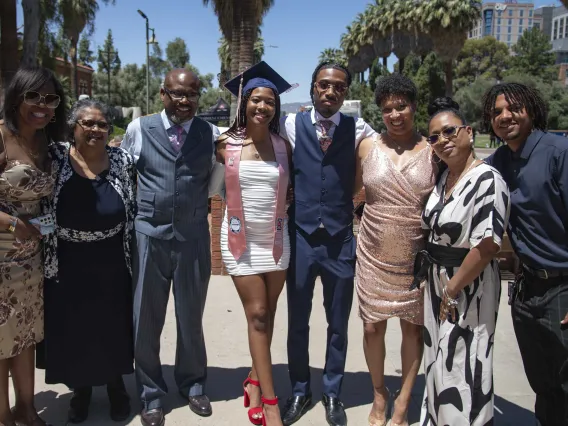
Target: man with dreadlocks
(321,235)
(534,164)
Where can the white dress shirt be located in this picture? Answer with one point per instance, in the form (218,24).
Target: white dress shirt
(288,127)
(132,143)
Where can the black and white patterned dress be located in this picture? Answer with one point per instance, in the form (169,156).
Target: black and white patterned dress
(458,357)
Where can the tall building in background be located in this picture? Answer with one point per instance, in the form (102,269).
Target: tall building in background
(506,21)
(559,34)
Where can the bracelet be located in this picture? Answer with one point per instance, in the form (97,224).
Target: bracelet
(450,301)
(13,223)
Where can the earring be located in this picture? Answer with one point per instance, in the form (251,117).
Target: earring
(434,156)
(472,142)
(53,119)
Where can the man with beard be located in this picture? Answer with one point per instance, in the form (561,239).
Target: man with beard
(175,155)
(534,164)
(321,235)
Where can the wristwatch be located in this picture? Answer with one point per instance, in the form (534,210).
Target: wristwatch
(13,223)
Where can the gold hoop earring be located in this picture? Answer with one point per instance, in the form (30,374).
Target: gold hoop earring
(434,156)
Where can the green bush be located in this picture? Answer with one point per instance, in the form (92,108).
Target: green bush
(117,131)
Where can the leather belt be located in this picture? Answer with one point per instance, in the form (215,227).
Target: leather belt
(545,274)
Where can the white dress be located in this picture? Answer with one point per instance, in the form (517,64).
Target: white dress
(259,181)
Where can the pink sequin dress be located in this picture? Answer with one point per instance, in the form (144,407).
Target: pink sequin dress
(390,235)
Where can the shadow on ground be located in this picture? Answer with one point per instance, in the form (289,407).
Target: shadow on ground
(225,384)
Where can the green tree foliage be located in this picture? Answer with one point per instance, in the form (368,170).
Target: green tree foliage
(85,54)
(177,53)
(533,55)
(485,57)
(469,98)
(333,55)
(428,75)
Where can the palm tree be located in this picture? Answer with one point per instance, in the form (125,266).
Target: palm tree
(32,20)
(382,40)
(77,15)
(333,55)
(239,26)
(398,18)
(224,53)
(9,42)
(448,22)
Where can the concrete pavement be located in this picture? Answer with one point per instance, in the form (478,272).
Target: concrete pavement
(229,363)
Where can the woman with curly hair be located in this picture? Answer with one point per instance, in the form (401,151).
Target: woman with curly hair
(88,292)
(398,171)
(32,117)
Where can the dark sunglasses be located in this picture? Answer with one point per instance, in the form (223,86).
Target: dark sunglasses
(34,98)
(448,133)
(102,125)
(324,86)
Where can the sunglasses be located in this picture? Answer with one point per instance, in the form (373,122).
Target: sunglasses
(102,125)
(324,86)
(34,98)
(448,133)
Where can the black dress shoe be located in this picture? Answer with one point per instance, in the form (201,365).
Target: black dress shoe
(153,417)
(79,405)
(296,407)
(334,411)
(119,401)
(200,405)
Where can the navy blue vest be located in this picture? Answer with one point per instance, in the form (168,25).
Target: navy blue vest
(323,184)
(172,190)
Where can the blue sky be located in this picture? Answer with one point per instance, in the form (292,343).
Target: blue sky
(300,29)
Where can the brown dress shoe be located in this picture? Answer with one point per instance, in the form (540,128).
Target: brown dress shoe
(200,405)
(153,417)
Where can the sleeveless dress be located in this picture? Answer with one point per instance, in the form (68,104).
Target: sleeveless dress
(259,181)
(88,308)
(21,267)
(390,235)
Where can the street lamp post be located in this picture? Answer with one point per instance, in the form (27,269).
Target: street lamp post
(147,61)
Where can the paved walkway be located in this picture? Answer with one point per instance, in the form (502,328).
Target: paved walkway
(229,362)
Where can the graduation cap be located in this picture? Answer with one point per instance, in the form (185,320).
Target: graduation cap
(259,75)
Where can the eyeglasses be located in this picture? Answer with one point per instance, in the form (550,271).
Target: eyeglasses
(178,96)
(102,125)
(34,98)
(448,133)
(338,87)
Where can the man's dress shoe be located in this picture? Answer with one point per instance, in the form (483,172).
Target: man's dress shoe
(200,405)
(334,411)
(153,417)
(296,407)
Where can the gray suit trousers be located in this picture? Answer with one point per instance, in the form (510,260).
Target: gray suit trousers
(156,264)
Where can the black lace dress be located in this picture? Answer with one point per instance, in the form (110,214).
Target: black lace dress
(88,310)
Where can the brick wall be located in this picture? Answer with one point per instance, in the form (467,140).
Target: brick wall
(217,210)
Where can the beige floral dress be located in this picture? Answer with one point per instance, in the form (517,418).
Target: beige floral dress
(21,272)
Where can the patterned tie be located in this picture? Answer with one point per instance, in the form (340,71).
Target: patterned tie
(178,137)
(325,139)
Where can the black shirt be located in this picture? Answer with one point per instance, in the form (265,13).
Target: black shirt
(537,175)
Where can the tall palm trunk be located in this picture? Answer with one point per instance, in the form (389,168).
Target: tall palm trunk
(248,34)
(73,80)
(8,42)
(385,61)
(401,65)
(235,50)
(448,70)
(31,32)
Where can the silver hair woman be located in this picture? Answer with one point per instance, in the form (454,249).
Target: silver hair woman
(88,323)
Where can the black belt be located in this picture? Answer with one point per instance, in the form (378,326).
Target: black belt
(545,274)
(448,257)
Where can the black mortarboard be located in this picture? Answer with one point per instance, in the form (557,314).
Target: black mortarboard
(259,75)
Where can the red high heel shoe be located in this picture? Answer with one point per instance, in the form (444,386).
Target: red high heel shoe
(256,410)
(268,402)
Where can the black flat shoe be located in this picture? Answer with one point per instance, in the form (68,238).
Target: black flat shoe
(296,407)
(119,401)
(79,405)
(334,411)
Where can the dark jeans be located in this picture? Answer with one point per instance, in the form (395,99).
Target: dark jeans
(543,342)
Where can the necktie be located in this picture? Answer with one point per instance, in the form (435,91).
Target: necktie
(325,139)
(177,138)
